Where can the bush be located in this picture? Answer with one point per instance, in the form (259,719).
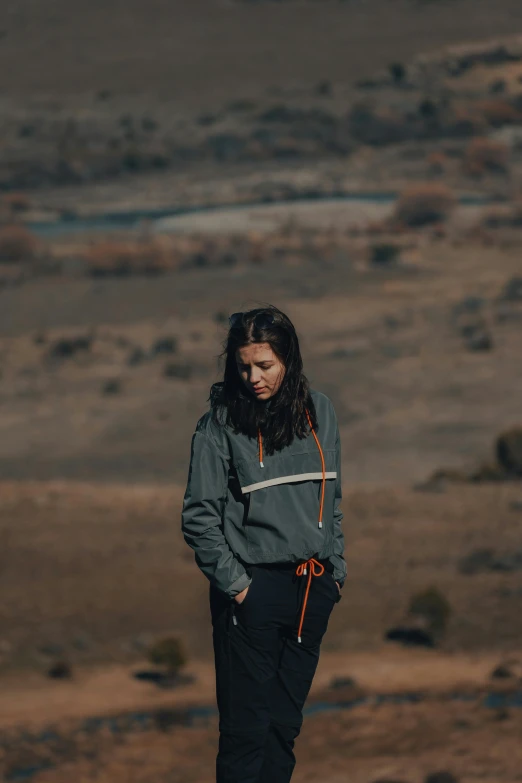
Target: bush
(477,561)
(509,451)
(168,344)
(498,113)
(397,72)
(433,607)
(384,253)
(177,370)
(377,126)
(65,347)
(117,258)
(425,203)
(437,162)
(16,202)
(503,216)
(512,291)
(169,652)
(485,155)
(60,670)
(16,244)
(112,386)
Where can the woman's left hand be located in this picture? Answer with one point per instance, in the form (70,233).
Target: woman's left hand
(338,586)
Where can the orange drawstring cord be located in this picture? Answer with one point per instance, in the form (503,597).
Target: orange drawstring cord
(301,570)
(260,442)
(311,563)
(323,468)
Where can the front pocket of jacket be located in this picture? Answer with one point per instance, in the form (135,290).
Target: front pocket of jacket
(284,500)
(284,519)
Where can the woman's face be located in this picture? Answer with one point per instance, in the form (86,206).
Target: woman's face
(260,369)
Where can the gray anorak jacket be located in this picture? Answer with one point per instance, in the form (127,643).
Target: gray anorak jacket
(241,507)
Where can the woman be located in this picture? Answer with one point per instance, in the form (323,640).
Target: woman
(261,512)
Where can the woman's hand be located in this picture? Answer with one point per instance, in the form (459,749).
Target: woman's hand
(240,597)
(338,587)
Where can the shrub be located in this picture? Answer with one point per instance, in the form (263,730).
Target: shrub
(437,162)
(397,72)
(384,253)
(118,258)
(169,652)
(486,472)
(483,155)
(509,451)
(16,244)
(502,216)
(512,291)
(433,607)
(65,347)
(60,670)
(424,203)
(377,126)
(177,370)
(16,202)
(477,561)
(112,386)
(168,344)
(498,112)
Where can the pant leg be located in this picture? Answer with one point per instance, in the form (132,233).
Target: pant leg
(295,673)
(246,660)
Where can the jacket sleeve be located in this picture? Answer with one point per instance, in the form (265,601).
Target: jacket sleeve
(201,516)
(337,559)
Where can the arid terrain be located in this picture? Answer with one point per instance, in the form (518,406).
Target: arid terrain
(358,163)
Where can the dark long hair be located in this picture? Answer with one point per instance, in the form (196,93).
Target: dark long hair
(231,402)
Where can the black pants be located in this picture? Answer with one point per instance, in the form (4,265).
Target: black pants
(263,674)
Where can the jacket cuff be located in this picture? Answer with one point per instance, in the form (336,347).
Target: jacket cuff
(238,586)
(339,568)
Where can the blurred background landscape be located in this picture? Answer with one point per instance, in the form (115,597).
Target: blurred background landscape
(357,163)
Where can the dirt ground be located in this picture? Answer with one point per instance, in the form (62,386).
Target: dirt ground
(202,53)
(94,440)
(93,574)
(384,343)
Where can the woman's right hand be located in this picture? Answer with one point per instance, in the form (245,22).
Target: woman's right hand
(240,597)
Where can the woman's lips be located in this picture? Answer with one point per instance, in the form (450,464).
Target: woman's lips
(258,391)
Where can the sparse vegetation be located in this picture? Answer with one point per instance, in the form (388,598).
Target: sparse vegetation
(498,112)
(60,670)
(65,347)
(509,451)
(433,607)
(384,253)
(17,244)
(111,387)
(180,370)
(486,156)
(168,652)
(425,203)
(111,258)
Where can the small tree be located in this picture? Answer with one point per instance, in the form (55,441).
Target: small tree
(433,607)
(486,155)
(384,253)
(509,451)
(169,652)
(424,203)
